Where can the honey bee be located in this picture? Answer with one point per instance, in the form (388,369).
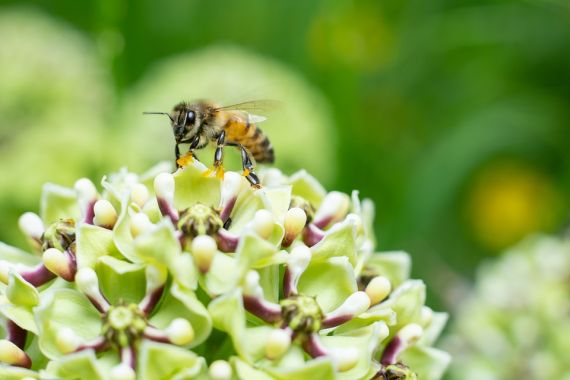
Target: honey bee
(203,122)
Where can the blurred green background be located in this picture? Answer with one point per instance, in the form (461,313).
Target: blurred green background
(453,116)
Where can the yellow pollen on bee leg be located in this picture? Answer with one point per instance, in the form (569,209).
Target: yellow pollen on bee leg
(245,172)
(220,172)
(185,160)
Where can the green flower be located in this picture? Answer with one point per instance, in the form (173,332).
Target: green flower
(187,276)
(515,324)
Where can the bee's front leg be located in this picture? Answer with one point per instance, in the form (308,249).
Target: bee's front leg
(188,157)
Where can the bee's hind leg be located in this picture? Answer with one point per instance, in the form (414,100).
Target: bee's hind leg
(247,166)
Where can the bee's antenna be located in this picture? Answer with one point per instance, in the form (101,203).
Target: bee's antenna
(159,113)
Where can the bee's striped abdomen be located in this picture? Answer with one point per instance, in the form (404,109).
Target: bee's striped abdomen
(252,138)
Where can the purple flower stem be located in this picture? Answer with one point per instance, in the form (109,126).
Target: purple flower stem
(267,311)
(227,242)
(312,235)
(129,356)
(90,212)
(154,334)
(392,350)
(38,275)
(313,346)
(150,300)
(289,286)
(227,209)
(167,210)
(336,321)
(322,223)
(16,334)
(98,344)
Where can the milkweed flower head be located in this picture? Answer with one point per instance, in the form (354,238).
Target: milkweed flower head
(185,276)
(515,323)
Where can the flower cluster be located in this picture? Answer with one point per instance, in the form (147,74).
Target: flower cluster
(516,323)
(185,276)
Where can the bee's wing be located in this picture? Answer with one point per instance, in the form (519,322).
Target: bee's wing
(254,106)
(255,119)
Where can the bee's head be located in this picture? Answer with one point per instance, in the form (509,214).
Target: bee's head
(185,121)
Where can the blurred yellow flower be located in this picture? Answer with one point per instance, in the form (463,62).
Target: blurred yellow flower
(509,200)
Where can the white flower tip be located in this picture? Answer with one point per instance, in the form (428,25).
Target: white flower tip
(278,343)
(356,221)
(164,186)
(426,316)
(220,370)
(140,223)
(105,213)
(203,250)
(31,224)
(5,268)
(295,220)
(273,177)
(251,282)
(54,260)
(344,358)
(358,303)
(263,223)
(410,333)
(122,372)
(300,257)
(231,185)
(139,194)
(85,189)
(334,207)
(12,354)
(155,276)
(87,281)
(180,332)
(378,289)
(67,341)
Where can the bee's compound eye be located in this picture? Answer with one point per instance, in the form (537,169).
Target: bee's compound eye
(190,117)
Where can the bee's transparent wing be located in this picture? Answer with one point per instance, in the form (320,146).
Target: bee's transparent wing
(255,119)
(254,106)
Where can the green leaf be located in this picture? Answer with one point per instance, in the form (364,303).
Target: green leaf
(93,242)
(306,186)
(247,203)
(65,308)
(17,256)
(255,252)
(22,316)
(365,340)
(321,368)
(331,281)
(80,365)
(58,202)
(20,292)
(245,371)
(428,362)
(131,277)
(158,361)
(394,265)
(16,373)
(191,187)
(338,241)
(182,303)
(433,330)
(276,200)
(159,247)
(223,275)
